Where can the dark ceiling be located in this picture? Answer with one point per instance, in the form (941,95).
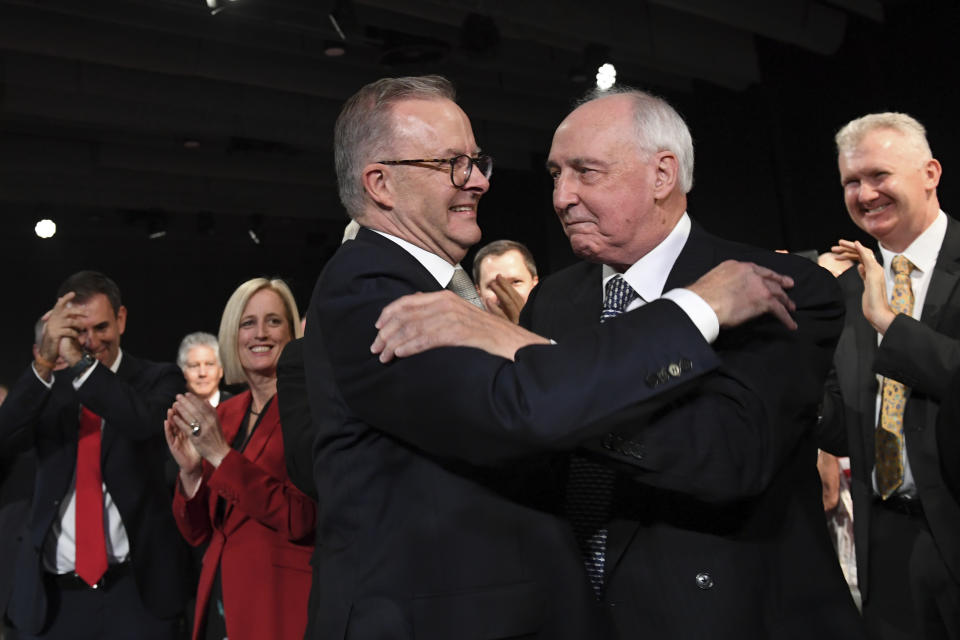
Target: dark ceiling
(124,118)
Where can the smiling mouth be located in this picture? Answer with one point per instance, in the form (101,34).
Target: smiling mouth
(260,349)
(874,210)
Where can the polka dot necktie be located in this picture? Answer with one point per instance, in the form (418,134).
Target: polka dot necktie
(590,485)
(889,436)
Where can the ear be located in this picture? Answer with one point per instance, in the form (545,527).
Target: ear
(931,174)
(667,174)
(121,319)
(377,182)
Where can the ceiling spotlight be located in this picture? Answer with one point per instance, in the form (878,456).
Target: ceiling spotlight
(606,76)
(45,228)
(334,48)
(255,229)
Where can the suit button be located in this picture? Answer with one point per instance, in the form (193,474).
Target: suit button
(704,581)
(56,503)
(674,369)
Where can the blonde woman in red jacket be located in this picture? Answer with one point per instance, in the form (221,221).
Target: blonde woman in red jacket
(233,491)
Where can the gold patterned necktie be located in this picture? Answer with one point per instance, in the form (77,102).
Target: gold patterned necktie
(888,440)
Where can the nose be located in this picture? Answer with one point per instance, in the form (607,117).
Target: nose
(866,193)
(203,371)
(564,195)
(478,183)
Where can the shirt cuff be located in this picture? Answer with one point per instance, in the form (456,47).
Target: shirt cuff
(701,313)
(78,382)
(48,385)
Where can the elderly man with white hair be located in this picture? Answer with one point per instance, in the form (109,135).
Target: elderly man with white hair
(199,359)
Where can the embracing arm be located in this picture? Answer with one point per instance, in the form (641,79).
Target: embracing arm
(464,403)
(727,438)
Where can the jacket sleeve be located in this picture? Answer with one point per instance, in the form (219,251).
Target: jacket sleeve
(272,501)
(918,356)
(728,437)
(193,516)
(466,404)
(22,408)
(136,406)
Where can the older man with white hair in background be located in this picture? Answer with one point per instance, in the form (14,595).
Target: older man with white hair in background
(199,359)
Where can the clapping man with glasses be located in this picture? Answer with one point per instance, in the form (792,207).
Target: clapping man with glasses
(439,511)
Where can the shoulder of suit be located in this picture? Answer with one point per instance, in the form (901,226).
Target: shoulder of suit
(563,279)
(233,404)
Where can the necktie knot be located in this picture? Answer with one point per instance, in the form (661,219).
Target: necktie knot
(901,266)
(617,296)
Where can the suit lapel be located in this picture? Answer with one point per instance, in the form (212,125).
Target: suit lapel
(696,258)
(946,273)
(424,280)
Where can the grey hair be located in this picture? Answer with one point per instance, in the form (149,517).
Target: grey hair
(658,128)
(197,339)
(854,131)
(364,128)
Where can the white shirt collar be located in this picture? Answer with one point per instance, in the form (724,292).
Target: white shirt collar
(923,251)
(439,268)
(116,363)
(648,275)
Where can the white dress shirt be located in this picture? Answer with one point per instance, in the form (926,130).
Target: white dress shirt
(922,252)
(60,546)
(439,268)
(648,275)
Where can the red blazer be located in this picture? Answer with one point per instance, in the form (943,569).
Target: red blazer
(264,543)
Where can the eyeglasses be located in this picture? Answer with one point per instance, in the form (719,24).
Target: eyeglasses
(460,166)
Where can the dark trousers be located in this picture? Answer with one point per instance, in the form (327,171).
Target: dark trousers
(912,595)
(113,612)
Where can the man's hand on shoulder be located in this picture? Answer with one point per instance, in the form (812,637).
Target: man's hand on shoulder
(740,291)
(421,321)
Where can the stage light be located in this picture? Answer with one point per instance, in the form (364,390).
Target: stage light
(45,228)
(606,76)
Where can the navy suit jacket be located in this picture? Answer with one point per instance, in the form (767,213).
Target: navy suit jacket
(718,527)
(436,519)
(133,403)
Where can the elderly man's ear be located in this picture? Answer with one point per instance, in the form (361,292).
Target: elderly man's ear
(667,172)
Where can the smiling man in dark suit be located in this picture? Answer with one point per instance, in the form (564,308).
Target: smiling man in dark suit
(436,519)
(100,556)
(899,351)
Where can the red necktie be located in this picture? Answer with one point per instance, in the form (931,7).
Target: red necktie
(91,542)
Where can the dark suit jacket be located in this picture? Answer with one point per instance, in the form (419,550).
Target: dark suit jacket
(923,354)
(133,403)
(433,523)
(18,466)
(718,528)
(948,437)
(263,542)
(295,421)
